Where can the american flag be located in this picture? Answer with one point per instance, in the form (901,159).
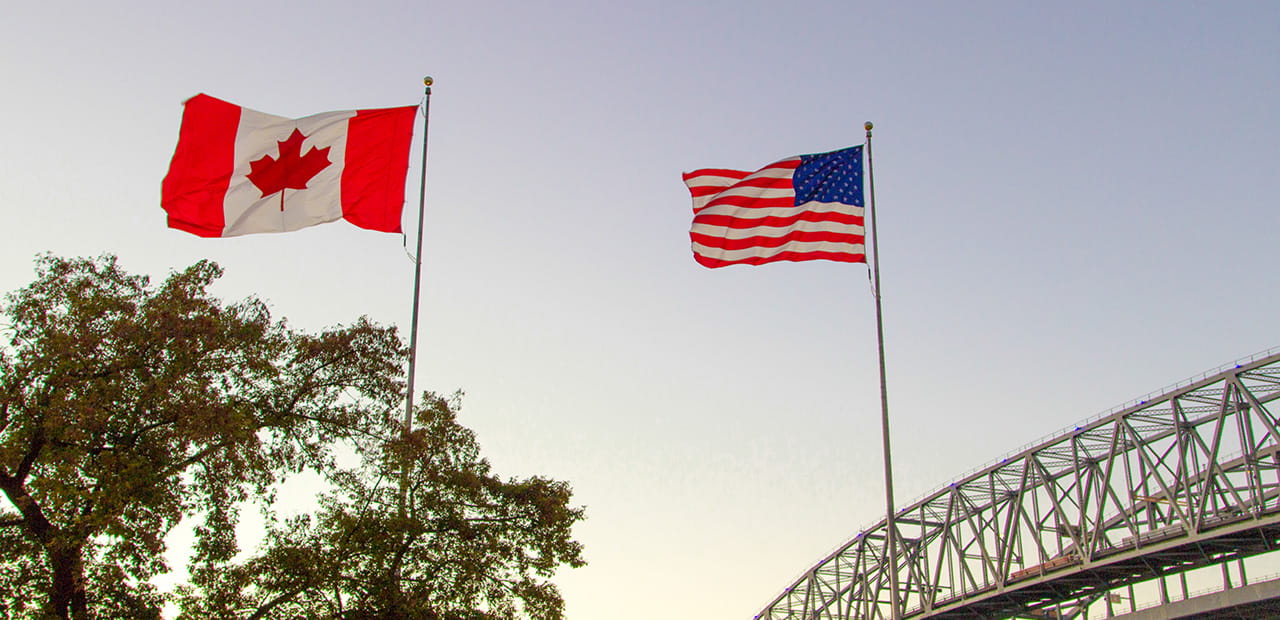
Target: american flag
(801,208)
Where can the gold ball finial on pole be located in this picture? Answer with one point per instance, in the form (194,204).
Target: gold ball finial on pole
(427,81)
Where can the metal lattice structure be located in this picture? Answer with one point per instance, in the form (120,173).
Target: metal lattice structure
(1186,478)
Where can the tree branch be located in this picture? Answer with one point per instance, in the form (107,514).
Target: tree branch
(282,598)
(29,459)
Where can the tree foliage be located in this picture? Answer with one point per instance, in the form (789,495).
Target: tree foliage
(126,407)
(444,538)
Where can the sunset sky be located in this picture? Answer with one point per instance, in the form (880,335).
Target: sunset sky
(1078,205)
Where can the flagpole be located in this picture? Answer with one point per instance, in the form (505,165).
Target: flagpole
(891,529)
(417,260)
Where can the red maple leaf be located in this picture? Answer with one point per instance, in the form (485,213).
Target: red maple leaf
(291,171)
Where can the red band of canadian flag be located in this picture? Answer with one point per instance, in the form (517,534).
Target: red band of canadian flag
(238,171)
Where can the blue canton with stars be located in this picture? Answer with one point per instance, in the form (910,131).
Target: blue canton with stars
(830,177)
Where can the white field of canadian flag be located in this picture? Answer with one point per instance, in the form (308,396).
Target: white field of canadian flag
(238,171)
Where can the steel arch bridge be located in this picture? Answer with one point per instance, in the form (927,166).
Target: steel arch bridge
(1180,480)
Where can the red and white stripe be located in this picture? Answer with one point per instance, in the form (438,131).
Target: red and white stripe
(750,218)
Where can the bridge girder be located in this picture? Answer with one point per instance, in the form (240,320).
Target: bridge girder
(1181,479)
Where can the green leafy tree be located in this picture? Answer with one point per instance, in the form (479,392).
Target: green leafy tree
(422,529)
(127,406)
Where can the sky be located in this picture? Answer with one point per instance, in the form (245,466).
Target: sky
(1077,206)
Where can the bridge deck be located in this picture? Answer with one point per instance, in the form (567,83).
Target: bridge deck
(1258,600)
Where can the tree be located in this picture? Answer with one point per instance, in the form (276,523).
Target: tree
(422,529)
(126,407)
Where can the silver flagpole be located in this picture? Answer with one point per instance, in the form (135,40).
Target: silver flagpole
(891,529)
(417,261)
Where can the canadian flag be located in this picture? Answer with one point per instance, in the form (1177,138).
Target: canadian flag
(238,171)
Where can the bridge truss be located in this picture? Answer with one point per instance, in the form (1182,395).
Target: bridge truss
(1183,479)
